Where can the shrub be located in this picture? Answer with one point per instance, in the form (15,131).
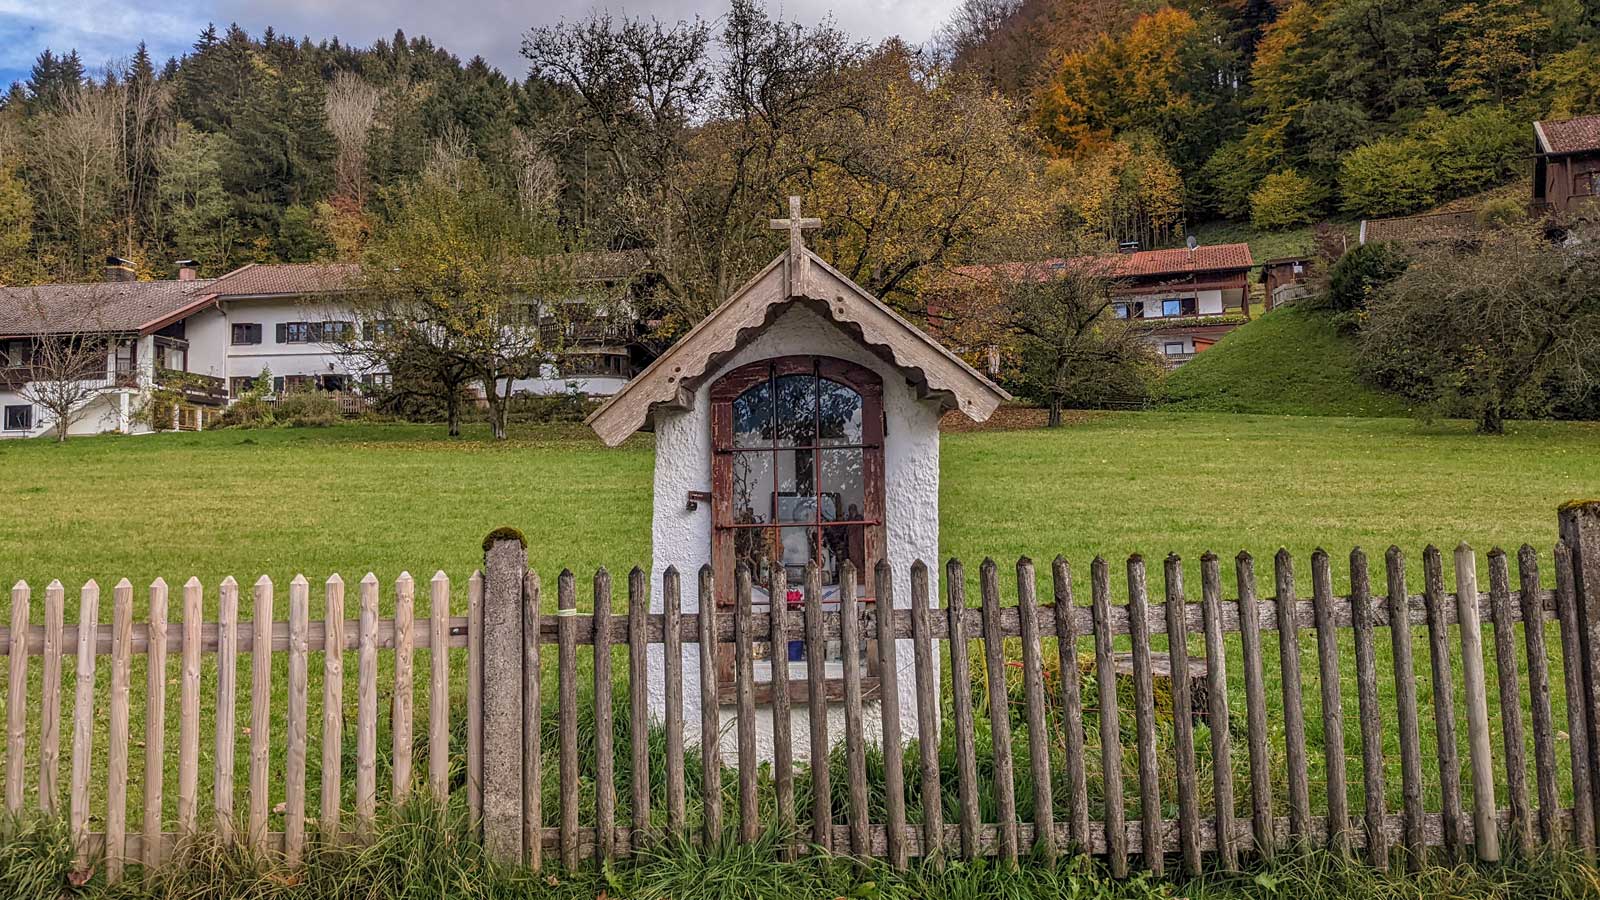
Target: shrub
(307,409)
(1477,149)
(1361,273)
(1285,199)
(1389,177)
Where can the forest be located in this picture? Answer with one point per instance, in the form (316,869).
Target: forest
(1115,119)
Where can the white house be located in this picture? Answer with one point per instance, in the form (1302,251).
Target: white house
(141,326)
(807,413)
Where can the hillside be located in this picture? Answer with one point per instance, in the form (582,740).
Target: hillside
(1291,361)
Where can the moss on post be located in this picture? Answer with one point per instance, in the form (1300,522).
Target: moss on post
(504,533)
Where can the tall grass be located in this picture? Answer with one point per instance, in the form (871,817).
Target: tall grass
(422,851)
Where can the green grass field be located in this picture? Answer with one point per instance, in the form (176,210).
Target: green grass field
(387,498)
(1289,361)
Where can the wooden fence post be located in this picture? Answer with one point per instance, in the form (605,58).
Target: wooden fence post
(505,561)
(1580,529)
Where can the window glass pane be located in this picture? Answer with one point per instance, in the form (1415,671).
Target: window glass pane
(796,407)
(1171,307)
(840,418)
(841,543)
(752,487)
(752,417)
(797,494)
(842,494)
(755,548)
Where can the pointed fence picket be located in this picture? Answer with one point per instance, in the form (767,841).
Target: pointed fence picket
(1133,756)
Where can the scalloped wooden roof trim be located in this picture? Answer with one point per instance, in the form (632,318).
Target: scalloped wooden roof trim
(669,382)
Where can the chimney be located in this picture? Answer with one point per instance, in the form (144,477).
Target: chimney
(1128,247)
(119,269)
(188,269)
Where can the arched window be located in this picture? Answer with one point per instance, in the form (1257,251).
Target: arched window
(797,476)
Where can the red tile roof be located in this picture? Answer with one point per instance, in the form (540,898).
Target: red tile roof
(286,279)
(97,307)
(1580,135)
(1143,264)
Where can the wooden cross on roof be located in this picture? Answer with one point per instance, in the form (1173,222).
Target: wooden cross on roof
(796,226)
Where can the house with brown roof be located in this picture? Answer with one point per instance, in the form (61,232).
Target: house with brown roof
(211,339)
(1566,165)
(138,326)
(1182,300)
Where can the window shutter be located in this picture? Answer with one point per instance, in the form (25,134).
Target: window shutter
(283,333)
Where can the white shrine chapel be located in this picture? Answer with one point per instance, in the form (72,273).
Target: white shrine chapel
(798,422)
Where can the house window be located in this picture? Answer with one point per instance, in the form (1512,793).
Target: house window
(1173,348)
(335,332)
(377,331)
(1173,307)
(239,385)
(1586,184)
(246,333)
(797,477)
(296,332)
(1120,309)
(19,418)
(379,381)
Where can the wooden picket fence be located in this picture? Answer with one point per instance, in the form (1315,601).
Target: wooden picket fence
(507,639)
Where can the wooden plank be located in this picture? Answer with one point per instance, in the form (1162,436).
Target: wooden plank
(227,706)
(1479,755)
(820,743)
(955,580)
(605,784)
(1182,715)
(854,739)
(439,686)
(260,717)
(155,724)
(1544,749)
(894,783)
(189,710)
(1217,707)
(1116,835)
(1572,642)
(1371,713)
(745,688)
(1444,701)
(50,699)
(567,703)
(1034,704)
(16,700)
(928,715)
(1510,695)
(639,707)
(710,727)
(333,709)
(1405,700)
(1255,700)
(532,723)
(782,736)
(402,721)
(475,699)
(1144,717)
(367,709)
(1332,703)
(1294,717)
(672,675)
(1071,703)
(994,657)
(83,725)
(294,782)
(117,731)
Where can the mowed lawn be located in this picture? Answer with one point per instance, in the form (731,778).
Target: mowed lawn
(387,498)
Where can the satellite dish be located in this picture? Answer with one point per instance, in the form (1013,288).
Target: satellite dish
(1193,242)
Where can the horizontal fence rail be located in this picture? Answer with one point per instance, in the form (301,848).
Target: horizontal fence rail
(1175,724)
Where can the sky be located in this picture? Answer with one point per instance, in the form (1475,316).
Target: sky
(105,31)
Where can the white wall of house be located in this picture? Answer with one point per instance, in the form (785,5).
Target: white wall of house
(682,537)
(1207,302)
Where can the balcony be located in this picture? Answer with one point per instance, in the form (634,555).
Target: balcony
(201,390)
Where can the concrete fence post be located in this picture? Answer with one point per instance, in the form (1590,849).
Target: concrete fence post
(1580,533)
(505,563)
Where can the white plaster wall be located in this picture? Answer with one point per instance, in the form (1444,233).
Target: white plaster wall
(682,538)
(1207,303)
(207,333)
(283,359)
(101,414)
